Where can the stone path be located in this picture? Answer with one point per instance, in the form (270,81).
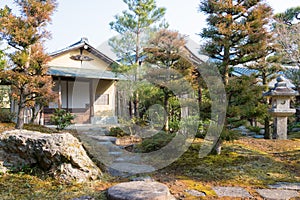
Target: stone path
(275,194)
(231,192)
(118,161)
(268,194)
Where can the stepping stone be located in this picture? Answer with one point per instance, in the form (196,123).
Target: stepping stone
(131,159)
(231,192)
(105,143)
(286,186)
(115,153)
(276,194)
(127,169)
(102,138)
(139,190)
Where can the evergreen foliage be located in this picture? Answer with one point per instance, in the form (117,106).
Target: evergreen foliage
(134,26)
(236,32)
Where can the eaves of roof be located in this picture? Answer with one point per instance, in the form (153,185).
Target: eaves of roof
(83,73)
(87,47)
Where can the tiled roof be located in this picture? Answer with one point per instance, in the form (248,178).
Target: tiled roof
(83,73)
(239,71)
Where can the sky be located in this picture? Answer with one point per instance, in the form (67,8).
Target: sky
(73,20)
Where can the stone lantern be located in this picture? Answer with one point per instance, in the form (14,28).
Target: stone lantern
(280,99)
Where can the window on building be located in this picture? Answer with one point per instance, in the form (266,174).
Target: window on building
(102,99)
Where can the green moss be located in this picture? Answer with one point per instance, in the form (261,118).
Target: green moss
(237,165)
(20,186)
(196,185)
(294,135)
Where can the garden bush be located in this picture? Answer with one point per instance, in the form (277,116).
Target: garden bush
(117,132)
(155,142)
(61,118)
(6,116)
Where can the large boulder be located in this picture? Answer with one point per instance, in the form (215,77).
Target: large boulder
(60,154)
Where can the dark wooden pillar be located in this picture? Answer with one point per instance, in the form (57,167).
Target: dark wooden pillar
(67,91)
(92,99)
(59,93)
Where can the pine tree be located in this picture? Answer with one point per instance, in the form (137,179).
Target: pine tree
(26,33)
(167,53)
(132,25)
(236,32)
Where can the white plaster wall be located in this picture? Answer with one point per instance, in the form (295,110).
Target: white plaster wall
(64,60)
(105,87)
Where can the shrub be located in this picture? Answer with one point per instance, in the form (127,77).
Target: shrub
(155,142)
(6,116)
(255,129)
(61,118)
(117,132)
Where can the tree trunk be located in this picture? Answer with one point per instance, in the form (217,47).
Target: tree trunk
(36,109)
(297,106)
(267,134)
(136,104)
(137,61)
(166,107)
(130,108)
(218,147)
(20,120)
(199,96)
(226,61)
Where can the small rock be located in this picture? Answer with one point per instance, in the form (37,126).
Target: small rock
(259,136)
(195,193)
(141,178)
(84,198)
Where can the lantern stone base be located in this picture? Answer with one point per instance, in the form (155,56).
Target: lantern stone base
(280,128)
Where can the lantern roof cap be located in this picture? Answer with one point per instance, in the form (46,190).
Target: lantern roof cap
(281,89)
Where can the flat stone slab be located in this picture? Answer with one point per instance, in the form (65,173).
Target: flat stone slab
(285,186)
(125,169)
(231,192)
(139,190)
(276,194)
(103,138)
